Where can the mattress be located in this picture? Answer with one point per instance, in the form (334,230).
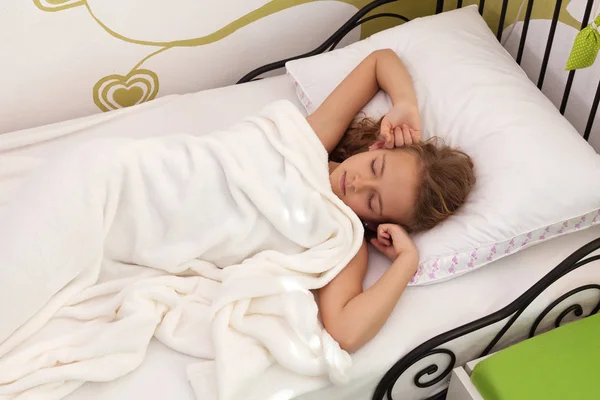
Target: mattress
(421,313)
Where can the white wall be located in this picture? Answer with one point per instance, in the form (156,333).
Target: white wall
(73,58)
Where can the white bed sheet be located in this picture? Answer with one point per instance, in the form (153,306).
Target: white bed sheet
(422,312)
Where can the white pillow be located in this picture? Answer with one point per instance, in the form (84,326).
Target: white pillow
(536,177)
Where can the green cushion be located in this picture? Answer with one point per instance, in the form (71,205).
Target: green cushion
(562,364)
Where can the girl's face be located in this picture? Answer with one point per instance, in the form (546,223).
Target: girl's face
(379,185)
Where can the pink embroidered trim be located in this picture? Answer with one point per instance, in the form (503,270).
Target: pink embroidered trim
(446,267)
(308,105)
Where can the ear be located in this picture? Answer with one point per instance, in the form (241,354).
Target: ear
(378,145)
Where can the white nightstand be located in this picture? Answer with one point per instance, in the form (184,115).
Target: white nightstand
(461,387)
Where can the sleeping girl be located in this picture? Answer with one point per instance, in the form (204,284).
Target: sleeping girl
(213,244)
(396,184)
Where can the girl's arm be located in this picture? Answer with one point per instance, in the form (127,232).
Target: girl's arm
(353,316)
(381,69)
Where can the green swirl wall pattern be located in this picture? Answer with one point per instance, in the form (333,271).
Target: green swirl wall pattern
(139,84)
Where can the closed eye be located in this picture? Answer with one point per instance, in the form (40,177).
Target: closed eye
(381,168)
(371,196)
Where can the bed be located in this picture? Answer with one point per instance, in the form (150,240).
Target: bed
(432,329)
(422,312)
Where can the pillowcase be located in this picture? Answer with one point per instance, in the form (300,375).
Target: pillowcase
(536,177)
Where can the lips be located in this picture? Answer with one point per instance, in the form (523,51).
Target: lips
(343,183)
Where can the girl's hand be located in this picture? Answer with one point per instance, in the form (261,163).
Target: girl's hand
(401,126)
(392,241)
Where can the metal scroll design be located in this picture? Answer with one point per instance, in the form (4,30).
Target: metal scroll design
(433,368)
(576,309)
(331,43)
(512,311)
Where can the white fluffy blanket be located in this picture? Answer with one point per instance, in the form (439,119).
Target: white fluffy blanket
(211,244)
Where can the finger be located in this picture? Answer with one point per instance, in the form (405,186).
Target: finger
(381,235)
(407,136)
(385,130)
(378,246)
(384,240)
(416,135)
(415,124)
(383,247)
(398,137)
(387,230)
(385,126)
(386,251)
(386,140)
(389,139)
(386,227)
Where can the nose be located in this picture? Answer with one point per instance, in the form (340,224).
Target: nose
(360,184)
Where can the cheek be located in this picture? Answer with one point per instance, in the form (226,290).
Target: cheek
(356,204)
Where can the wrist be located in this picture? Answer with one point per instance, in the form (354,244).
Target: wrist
(409,253)
(405,103)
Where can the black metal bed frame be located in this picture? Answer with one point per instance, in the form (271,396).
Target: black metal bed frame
(361,17)
(513,311)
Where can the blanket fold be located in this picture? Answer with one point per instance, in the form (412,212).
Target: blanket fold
(210,244)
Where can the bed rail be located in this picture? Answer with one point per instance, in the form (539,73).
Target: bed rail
(511,313)
(361,17)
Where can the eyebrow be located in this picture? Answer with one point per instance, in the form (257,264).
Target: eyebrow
(379,196)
